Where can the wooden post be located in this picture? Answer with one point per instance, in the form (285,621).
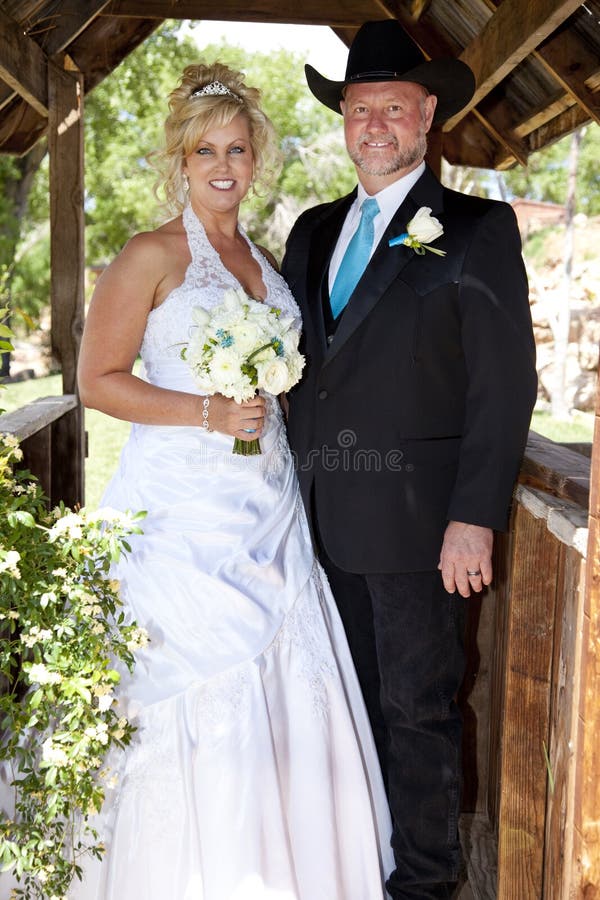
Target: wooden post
(433,157)
(67,254)
(586,869)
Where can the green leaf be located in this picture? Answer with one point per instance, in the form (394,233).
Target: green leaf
(36,699)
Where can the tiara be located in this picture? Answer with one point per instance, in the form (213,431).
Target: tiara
(214,89)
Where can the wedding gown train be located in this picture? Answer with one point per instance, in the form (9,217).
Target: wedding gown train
(252,774)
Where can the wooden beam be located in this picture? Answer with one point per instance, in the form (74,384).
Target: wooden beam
(470,144)
(309,12)
(561,125)
(555,469)
(23,64)
(576,69)
(32,418)
(570,61)
(418,8)
(67,255)
(59,31)
(514,31)
(544,112)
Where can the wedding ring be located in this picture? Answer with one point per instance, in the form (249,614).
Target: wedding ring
(473,574)
(250,430)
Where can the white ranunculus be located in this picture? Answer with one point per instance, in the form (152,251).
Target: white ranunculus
(246,337)
(424,227)
(273,375)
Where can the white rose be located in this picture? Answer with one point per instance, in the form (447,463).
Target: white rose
(273,376)
(424,227)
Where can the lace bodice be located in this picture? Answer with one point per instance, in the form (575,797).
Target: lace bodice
(206,279)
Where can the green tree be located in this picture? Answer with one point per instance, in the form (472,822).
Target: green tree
(124,116)
(124,120)
(546,175)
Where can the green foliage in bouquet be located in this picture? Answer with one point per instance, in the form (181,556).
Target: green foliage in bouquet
(63,637)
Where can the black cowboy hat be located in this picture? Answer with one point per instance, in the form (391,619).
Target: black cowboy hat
(383,51)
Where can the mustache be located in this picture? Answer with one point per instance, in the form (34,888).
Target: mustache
(367,137)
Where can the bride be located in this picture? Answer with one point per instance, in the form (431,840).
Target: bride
(252,774)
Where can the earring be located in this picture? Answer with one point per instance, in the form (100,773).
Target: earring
(186,182)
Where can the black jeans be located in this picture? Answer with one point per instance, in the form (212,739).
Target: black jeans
(406,635)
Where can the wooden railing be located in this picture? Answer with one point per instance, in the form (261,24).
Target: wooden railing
(47,429)
(523,687)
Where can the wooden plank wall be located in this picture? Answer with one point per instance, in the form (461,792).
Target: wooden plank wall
(533,700)
(526,710)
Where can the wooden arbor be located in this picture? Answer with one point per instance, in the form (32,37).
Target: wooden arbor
(538,75)
(58,453)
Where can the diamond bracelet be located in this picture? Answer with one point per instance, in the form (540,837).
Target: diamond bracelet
(205,405)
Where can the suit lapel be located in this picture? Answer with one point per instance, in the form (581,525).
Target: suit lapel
(387,263)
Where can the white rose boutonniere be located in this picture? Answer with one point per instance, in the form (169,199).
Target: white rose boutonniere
(420,231)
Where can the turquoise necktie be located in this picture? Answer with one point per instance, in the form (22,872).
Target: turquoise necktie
(355,258)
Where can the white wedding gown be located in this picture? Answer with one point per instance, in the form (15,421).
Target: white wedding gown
(253,774)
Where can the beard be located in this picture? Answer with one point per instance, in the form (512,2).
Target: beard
(401,158)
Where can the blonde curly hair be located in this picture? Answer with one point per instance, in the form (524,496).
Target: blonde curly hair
(190,117)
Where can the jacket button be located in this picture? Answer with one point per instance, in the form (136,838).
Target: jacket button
(330,339)
(323,395)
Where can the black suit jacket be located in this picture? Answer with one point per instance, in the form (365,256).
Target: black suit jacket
(417,411)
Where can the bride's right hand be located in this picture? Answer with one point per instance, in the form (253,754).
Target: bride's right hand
(241,420)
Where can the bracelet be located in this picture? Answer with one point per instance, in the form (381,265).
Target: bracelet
(205,406)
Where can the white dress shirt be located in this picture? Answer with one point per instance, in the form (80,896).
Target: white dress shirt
(389,199)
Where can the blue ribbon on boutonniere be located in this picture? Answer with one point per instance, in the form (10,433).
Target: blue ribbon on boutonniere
(421,228)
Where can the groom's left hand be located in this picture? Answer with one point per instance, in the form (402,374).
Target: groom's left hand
(466,549)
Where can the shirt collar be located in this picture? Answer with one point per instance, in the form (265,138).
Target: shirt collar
(390,198)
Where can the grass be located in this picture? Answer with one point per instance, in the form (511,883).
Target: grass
(578,429)
(106,436)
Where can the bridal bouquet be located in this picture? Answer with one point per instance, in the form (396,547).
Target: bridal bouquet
(241,346)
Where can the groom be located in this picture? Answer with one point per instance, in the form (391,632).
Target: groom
(410,424)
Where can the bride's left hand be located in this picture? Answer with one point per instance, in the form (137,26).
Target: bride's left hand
(240,420)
